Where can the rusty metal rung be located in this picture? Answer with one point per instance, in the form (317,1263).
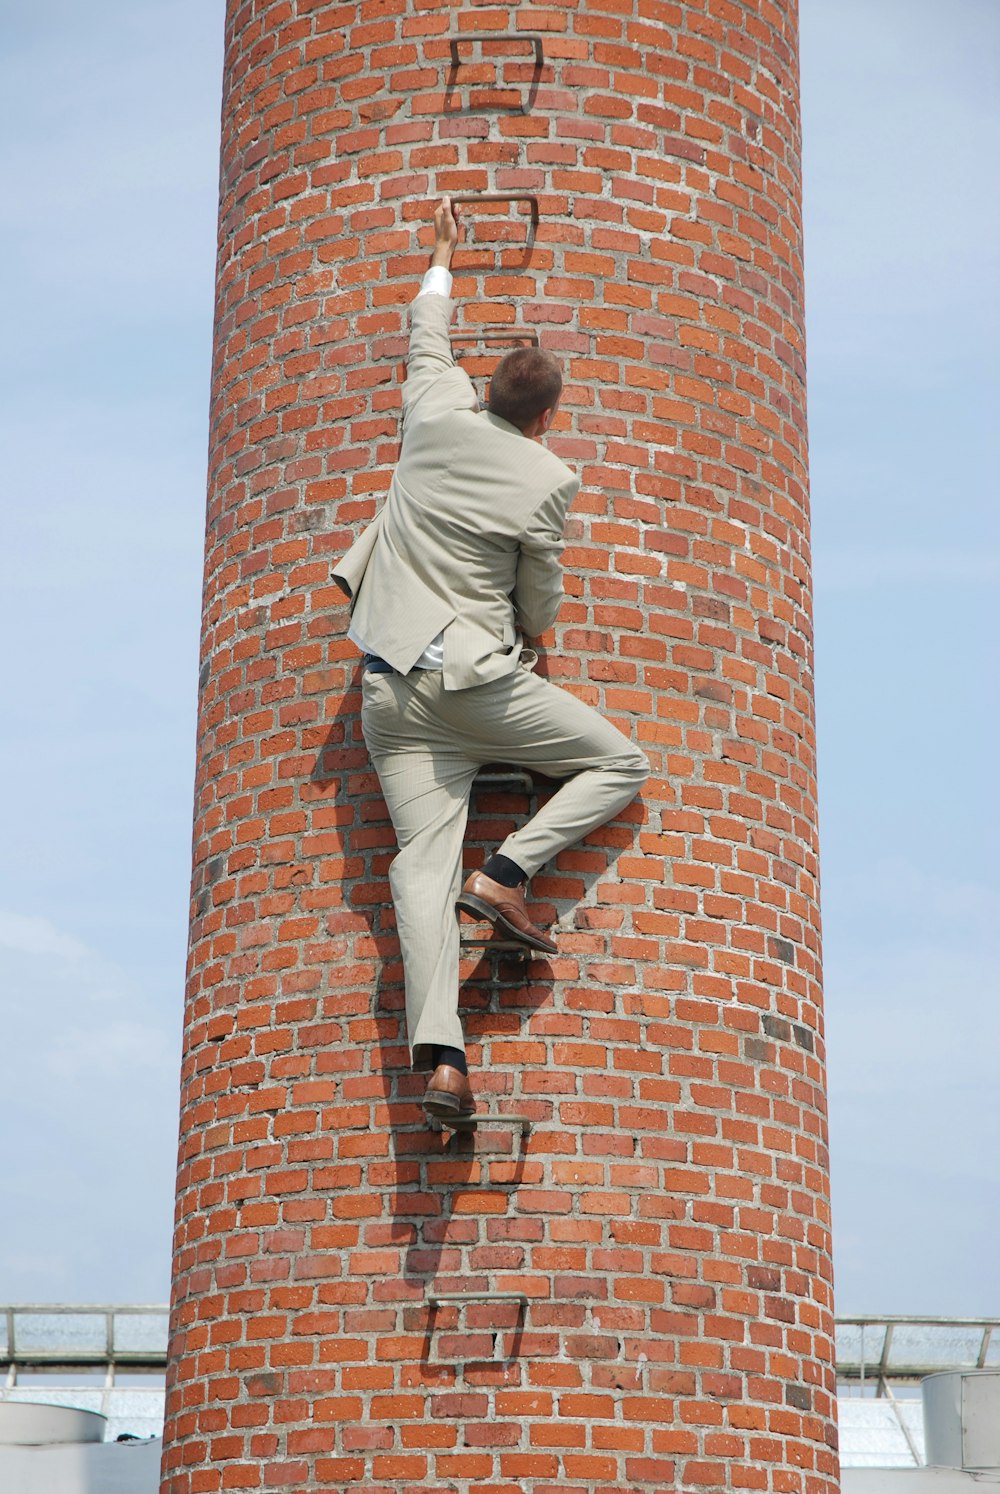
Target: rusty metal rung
(498,778)
(497,333)
(459,1299)
(500,946)
(532,37)
(466,1123)
(528,197)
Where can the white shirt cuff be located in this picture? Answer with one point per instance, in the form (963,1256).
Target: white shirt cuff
(436,282)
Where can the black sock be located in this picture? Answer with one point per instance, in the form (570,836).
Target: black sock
(501,869)
(453,1056)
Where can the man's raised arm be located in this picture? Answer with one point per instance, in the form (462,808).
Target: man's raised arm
(430,353)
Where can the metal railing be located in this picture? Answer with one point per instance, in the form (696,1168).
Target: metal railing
(872,1352)
(57,1337)
(878,1351)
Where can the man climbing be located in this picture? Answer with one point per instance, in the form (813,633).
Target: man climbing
(461,564)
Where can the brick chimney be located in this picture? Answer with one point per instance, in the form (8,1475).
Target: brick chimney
(621,1281)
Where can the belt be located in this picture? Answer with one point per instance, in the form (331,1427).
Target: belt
(375,664)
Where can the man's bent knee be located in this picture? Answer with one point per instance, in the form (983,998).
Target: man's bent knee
(632,765)
(628,770)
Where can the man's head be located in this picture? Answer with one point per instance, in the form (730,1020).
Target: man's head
(525,389)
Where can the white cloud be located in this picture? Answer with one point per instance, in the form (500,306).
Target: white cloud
(109,115)
(37,936)
(44,970)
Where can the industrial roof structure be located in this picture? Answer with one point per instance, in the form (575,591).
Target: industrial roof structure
(113,1360)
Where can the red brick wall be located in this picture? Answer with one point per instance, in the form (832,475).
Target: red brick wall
(667,1217)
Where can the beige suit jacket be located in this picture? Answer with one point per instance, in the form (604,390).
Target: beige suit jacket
(469,539)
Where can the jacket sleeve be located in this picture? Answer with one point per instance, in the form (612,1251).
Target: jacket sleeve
(432,376)
(538,588)
(350,570)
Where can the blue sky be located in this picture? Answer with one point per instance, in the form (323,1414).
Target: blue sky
(109,114)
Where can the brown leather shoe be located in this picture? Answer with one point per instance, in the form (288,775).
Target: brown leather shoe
(505,909)
(448,1096)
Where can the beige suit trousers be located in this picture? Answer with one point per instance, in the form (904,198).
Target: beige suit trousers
(427,744)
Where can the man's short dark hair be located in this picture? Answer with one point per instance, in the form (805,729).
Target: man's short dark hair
(525,382)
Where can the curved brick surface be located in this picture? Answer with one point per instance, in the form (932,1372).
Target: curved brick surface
(666,1219)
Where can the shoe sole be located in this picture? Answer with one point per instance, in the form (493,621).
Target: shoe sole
(476,908)
(441,1104)
(445,1108)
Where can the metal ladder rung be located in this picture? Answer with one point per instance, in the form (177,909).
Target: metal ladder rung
(463,1299)
(500,778)
(491,333)
(533,39)
(476,1122)
(492,199)
(499,946)
(459,1299)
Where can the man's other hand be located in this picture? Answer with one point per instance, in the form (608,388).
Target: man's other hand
(446,232)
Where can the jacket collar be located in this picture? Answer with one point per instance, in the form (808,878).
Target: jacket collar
(501,425)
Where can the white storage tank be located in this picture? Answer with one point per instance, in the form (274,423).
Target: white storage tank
(962,1420)
(35,1424)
